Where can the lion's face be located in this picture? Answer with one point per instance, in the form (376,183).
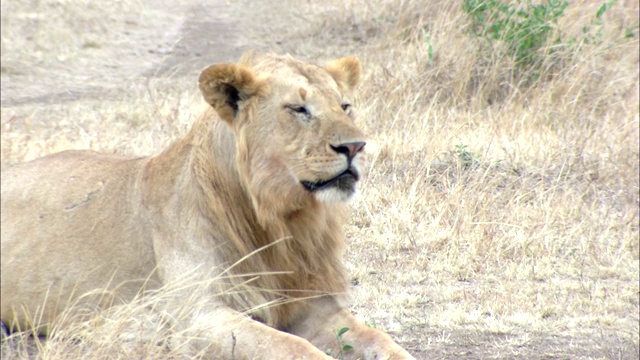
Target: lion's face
(294,124)
(310,122)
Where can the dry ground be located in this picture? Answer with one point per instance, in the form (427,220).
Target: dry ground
(499,220)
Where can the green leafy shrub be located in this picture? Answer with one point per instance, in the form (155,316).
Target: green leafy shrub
(526,29)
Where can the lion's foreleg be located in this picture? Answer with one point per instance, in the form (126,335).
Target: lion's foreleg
(322,328)
(203,326)
(221,333)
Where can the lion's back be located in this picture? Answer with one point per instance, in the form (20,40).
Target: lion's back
(51,170)
(56,184)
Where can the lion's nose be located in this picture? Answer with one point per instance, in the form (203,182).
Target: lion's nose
(349,149)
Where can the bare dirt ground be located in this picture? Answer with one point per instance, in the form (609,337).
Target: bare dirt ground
(64,61)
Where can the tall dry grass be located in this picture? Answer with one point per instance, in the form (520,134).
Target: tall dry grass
(495,208)
(516,204)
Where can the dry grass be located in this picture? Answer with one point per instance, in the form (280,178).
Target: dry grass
(499,219)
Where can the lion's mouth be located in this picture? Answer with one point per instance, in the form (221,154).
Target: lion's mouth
(345,181)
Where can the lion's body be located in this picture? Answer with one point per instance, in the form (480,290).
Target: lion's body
(239,204)
(42,259)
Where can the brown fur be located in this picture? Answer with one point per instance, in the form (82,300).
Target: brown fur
(225,204)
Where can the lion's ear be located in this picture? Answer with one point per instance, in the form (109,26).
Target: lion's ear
(345,70)
(225,85)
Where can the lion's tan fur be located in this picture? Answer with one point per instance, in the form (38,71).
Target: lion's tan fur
(225,204)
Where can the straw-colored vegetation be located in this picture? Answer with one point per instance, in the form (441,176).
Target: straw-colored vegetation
(500,215)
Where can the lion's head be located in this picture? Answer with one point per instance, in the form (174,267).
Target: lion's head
(294,127)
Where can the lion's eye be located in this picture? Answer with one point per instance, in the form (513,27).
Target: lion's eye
(299,109)
(346,107)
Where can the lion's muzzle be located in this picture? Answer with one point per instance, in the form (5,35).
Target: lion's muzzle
(345,181)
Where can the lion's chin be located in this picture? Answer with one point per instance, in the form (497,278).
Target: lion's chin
(334,195)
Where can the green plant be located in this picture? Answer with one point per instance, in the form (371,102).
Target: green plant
(467,157)
(595,36)
(524,27)
(427,40)
(341,345)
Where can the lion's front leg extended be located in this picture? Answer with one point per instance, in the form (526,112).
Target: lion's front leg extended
(326,317)
(204,327)
(221,333)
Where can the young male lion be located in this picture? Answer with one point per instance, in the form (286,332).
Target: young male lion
(246,206)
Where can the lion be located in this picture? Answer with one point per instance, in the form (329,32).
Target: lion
(248,205)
